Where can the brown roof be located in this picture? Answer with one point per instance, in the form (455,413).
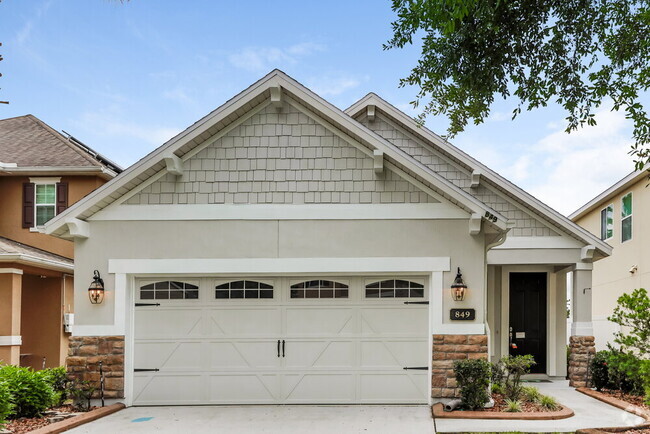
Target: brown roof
(29,142)
(12,248)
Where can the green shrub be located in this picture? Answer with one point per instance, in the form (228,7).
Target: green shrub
(81,393)
(473,377)
(531,394)
(497,388)
(513,405)
(549,403)
(600,370)
(645,374)
(497,373)
(30,393)
(515,367)
(57,378)
(6,406)
(624,371)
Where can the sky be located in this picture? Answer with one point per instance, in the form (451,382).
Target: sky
(125,77)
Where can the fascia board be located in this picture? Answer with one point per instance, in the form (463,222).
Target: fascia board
(623,184)
(40,262)
(488,173)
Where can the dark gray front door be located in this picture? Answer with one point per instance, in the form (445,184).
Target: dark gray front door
(528,317)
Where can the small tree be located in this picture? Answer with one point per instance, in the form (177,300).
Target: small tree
(515,367)
(633,312)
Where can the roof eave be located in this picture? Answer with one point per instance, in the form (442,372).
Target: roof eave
(48,264)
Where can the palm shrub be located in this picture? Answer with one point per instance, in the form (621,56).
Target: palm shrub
(531,394)
(549,403)
(473,377)
(30,393)
(6,406)
(600,370)
(515,367)
(513,405)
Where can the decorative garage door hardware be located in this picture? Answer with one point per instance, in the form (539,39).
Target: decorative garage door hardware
(146,370)
(415,368)
(147,304)
(416,302)
(279,348)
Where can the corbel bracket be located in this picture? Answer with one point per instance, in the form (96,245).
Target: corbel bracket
(276,97)
(379,160)
(174,165)
(587,253)
(78,228)
(476,179)
(475,221)
(371,112)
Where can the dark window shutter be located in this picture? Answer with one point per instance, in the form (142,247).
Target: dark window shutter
(61,197)
(28,205)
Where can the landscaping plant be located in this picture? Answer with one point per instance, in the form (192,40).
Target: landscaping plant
(531,394)
(600,370)
(81,393)
(515,367)
(6,406)
(513,405)
(549,403)
(57,378)
(30,393)
(473,377)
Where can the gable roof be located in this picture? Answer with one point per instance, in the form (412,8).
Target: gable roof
(537,207)
(28,144)
(260,92)
(13,251)
(621,185)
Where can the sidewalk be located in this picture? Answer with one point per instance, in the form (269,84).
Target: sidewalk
(589,413)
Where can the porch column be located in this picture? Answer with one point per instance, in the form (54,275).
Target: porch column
(10,297)
(581,343)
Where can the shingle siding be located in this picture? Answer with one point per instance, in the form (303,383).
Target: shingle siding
(281,158)
(525,224)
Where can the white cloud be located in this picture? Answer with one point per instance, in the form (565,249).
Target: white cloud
(499,116)
(258,59)
(333,85)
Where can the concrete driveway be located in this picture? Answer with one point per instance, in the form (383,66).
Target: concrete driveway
(265,419)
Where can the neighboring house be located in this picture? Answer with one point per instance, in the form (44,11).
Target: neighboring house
(42,172)
(617,216)
(281,250)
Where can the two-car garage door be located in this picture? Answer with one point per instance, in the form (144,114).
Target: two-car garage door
(281,340)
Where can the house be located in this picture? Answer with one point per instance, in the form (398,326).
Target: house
(281,250)
(616,216)
(42,172)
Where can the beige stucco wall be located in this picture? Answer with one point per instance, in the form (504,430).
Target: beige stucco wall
(611,276)
(275,239)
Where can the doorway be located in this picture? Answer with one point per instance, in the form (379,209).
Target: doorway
(527,328)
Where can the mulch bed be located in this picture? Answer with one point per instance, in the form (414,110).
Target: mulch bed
(632,399)
(25,425)
(526,407)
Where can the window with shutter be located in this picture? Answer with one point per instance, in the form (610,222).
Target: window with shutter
(28,205)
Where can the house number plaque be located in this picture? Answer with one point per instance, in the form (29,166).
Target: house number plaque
(462,314)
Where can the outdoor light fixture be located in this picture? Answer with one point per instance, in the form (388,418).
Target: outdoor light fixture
(96,289)
(458,287)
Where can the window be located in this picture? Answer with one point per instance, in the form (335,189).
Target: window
(626,217)
(243,289)
(394,289)
(169,290)
(607,223)
(43,198)
(319,289)
(45,203)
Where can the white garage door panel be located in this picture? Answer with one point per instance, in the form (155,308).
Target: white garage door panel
(336,351)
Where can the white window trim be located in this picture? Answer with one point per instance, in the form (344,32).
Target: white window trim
(611,205)
(629,193)
(50,180)
(36,205)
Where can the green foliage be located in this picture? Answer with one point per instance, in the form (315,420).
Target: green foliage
(6,405)
(497,388)
(645,374)
(57,378)
(515,367)
(600,370)
(549,403)
(633,312)
(473,377)
(624,371)
(497,373)
(30,393)
(575,53)
(531,394)
(513,405)
(81,393)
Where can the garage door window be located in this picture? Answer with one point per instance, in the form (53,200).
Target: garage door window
(243,289)
(169,290)
(319,289)
(395,289)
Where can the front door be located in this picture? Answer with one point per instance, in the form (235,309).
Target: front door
(528,317)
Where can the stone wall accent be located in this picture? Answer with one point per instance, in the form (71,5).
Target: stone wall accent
(281,157)
(581,350)
(446,349)
(84,355)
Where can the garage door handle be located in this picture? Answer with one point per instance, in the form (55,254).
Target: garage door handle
(278,347)
(416,368)
(282,347)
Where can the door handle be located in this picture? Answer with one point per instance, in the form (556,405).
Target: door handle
(278,347)
(282,347)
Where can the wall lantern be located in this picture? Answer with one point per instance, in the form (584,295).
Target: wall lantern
(458,288)
(96,289)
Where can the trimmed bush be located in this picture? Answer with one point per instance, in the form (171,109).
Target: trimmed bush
(624,371)
(515,367)
(57,378)
(473,377)
(6,406)
(30,393)
(600,370)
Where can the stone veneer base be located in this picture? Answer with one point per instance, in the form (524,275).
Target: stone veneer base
(439,413)
(84,355)
(581,350)
(447,349)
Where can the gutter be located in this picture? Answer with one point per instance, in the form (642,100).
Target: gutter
(49,264)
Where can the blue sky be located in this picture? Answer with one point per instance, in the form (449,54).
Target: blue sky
(124,78)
